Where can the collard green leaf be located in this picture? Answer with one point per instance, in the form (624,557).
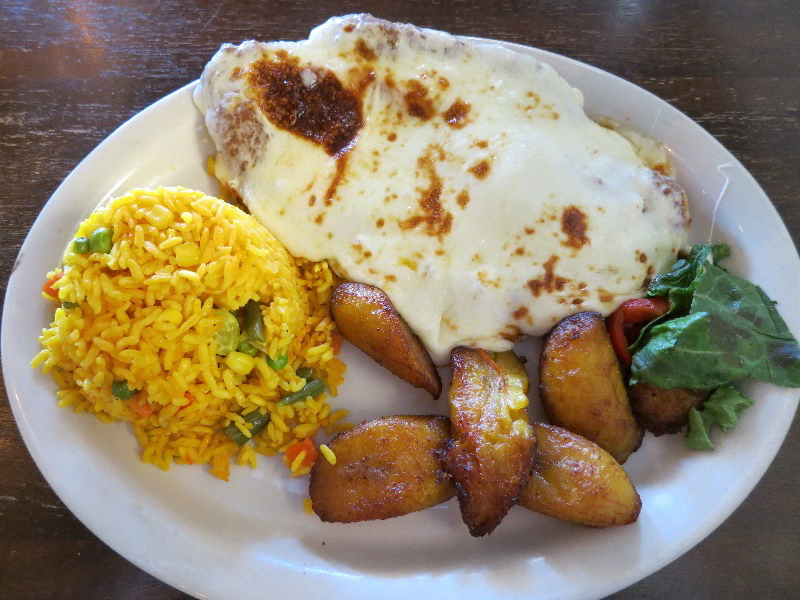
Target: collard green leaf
(741,303)
(722,410)
(720,252)
(697,436)
(732,331)
(679,284)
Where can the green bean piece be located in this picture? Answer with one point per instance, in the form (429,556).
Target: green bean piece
(67,304)
(304,373)
(121,391)
(227,337)
(278,363)
(254,321)
(256,419)
(81,245)
(312,388)
(247,348)
(101,240)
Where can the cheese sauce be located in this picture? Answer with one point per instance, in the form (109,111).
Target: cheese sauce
(463,179)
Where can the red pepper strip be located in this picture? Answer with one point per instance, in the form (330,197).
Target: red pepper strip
(631,312)
(47,288)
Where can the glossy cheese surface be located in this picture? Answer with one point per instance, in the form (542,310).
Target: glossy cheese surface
(463,179)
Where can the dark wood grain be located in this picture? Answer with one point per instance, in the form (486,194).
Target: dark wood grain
(72,71)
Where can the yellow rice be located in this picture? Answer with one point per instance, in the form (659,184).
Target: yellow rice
(147,315)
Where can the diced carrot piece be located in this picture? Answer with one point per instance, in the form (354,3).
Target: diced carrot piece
(337,339)
(47,288)
(294,451)
(140,406)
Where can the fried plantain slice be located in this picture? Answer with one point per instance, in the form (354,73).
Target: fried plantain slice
(384,468)
(366,318)
(581,388)
(576,480)
(493,446)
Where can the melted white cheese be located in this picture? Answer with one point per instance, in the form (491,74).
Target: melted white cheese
(540,212)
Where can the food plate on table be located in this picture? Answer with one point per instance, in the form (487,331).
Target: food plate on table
(220,540)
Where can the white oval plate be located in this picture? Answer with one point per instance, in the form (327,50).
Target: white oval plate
(251,536)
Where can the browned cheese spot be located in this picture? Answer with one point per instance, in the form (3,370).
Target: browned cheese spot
(482,144)
(529,230)
(349,28)
(389,80)
(604,295)
(577,301)
(443,83)
(642,257)
(456,114)
(390,278)
(242,134)
(549,281)
(319,219)
(649,277)
(364,51)
(520,312)
(313,200)
(670,187)
(519,251)
(437,220)
(392,137)
(379,222)
(236,73)
(417,102)
(484,278)
(449,324)
(573,225)
(365,77)
(510,333)
(463,198)
(341,166)
(481,170)
(391,34)
(327,113)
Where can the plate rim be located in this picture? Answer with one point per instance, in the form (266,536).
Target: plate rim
(631,576)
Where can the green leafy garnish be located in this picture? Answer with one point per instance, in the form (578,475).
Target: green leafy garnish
(722,409)
(679,283)
(719,328)
(732,331)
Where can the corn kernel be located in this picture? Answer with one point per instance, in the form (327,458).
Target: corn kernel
(172,316)
(187,254)
(240,363)
(159,216)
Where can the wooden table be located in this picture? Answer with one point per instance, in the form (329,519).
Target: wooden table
(71,71)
